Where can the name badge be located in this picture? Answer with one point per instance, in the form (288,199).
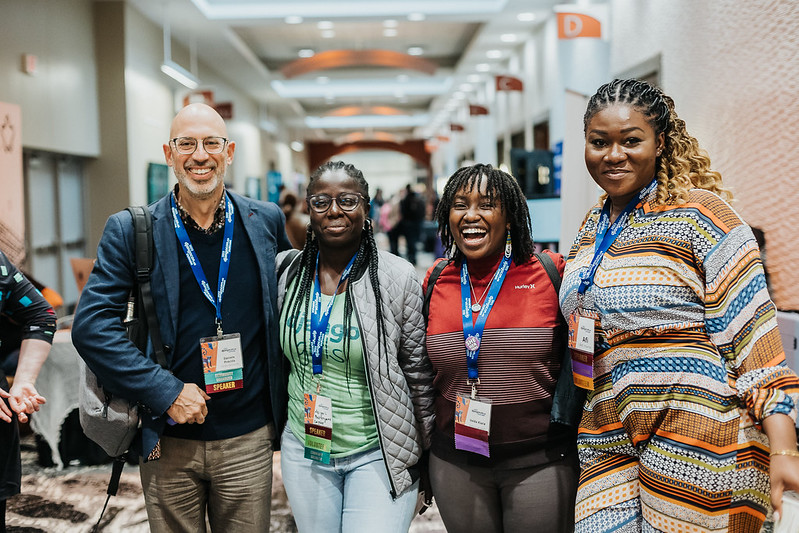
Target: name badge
(223,363)
(581,346)
(318,428)
(472,424)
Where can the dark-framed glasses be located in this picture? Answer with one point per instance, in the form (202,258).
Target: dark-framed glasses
(346,201)
(187,145)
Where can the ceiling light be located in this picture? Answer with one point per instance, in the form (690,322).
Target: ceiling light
(389,32)
(297,146)
(328,34)
(526,17)
(482,67)
(415,51)
(474,78)
(305,52)
(179,74)
(172,69)
(508,38)
(494,54)
(390,23)
(416,17)
(322,79)
(293,19)
(324,25)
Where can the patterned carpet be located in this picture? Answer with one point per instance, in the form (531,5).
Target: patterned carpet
(70,500)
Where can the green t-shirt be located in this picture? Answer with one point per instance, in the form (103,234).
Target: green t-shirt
(354,427)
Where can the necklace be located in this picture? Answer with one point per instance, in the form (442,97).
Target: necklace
(476,305)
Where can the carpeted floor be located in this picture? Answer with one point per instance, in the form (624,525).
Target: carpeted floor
(70,500)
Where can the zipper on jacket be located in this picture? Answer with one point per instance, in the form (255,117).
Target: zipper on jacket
(374,403)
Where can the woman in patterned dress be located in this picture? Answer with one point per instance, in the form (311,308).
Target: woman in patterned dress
(672,327)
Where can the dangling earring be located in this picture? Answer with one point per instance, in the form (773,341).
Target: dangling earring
(367,224)
(508,245)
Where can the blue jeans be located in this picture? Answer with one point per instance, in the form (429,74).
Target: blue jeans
(351,494)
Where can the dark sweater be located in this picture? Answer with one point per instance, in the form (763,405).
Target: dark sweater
(230,413)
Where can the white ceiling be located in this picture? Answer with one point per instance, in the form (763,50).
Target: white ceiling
(248,42)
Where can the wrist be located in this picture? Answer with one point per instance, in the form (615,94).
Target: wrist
(786,452)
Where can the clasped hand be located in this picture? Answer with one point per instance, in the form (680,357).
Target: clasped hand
(22,400)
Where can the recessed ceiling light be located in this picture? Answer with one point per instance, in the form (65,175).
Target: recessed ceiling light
(494,54)
(482,67)
(415,51)
(389,32)
(474,78)
(297,146)
(508,38)
(293,19)
(328,34)
(390,23)
(526,17)
(324,25)
(305,52)
(416,17)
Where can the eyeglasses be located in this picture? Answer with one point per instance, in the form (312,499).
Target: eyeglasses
(346,201)
(188,145)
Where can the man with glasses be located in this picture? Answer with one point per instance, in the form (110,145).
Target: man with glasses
(208,421)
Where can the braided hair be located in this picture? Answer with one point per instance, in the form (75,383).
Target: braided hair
(298,300)
(499,185)
(683,165)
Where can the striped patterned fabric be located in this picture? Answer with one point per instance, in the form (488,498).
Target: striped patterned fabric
(688,362)
(519,359)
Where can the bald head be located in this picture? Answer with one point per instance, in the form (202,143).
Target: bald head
(194,115)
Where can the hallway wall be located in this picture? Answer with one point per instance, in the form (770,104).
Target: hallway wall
(733,70)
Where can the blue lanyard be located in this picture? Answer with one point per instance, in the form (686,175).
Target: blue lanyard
(606,234)
(194,262)
(473,334)
(319,318)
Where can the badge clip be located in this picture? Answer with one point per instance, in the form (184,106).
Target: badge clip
(474,383)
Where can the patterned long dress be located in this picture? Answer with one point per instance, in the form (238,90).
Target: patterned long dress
(688,362)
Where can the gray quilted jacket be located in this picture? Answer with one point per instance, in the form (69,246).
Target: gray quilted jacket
(403,393)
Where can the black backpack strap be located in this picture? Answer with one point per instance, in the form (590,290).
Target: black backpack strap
(431,281)
(552,270)
(286,262)
(143,236)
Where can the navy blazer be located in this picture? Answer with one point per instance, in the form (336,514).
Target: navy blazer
(98,332)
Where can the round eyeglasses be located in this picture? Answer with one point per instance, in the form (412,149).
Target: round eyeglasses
(346,201)
(188,145)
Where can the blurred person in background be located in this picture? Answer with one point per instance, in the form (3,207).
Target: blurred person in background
(296,220)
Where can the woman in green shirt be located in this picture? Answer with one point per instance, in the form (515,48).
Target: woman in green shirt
(360,384)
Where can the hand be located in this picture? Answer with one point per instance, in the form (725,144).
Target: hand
(424,482)
(23,399)
(784,473)
(189,407)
